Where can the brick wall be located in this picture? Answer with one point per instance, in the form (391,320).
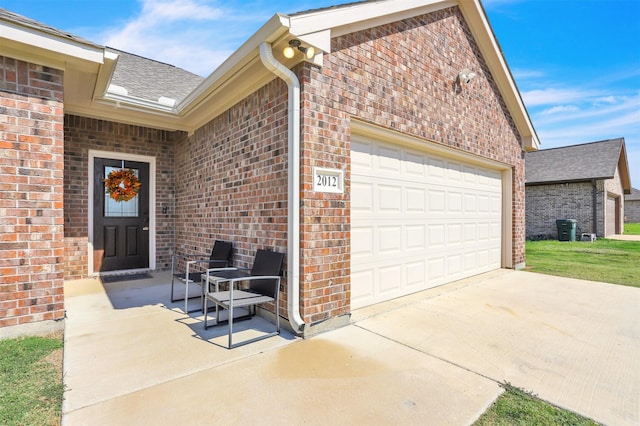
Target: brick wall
(233,180)
(400,76)
(83,134)
(632,211)
(547,203)
(31,186)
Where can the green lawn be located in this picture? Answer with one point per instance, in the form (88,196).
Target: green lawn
(632,228)
(31,381)
(516,407)
(610,261)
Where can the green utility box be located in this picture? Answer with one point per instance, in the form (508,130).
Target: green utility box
(566,229)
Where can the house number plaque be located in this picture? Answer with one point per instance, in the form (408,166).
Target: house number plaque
(328,180)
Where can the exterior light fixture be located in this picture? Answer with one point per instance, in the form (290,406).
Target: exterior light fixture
(466,75)
(290,51)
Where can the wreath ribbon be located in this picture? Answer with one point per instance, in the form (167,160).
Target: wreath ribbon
(122,184)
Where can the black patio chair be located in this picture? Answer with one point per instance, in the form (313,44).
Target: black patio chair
(189,269)
(261,285)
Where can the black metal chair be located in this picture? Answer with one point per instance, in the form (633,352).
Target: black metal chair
(262,285)
(188,269)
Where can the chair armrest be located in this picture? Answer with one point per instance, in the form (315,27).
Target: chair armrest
(188,256)
(231,281)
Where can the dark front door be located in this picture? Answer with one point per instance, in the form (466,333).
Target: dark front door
(120,228)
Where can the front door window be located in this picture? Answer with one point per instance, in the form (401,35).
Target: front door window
(113,208)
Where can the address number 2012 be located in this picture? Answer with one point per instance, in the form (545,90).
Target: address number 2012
(325,181)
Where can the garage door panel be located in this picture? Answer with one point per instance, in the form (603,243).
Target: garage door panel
(390,279)
(436,200)
(390,240)
(362,198)
(436,235)
(454,202)
(389,198)
(454,266)
(362,284)
(454,234)
(469,262)
(415,164)
(436,169)
(454,171)
(416,200)
(361,242)
(415,237)
(419,220)
(415,273)
(389,159)
(436,269)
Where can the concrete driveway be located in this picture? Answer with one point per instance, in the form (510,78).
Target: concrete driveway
(435,357)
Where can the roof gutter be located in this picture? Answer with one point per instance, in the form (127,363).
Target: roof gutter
(293,230)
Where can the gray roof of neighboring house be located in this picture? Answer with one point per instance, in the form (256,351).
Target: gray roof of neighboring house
(149,79)
(595,160)
(634,196)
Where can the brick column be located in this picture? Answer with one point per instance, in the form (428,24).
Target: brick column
(31,193)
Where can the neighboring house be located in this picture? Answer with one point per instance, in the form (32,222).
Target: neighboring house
(584,182)
(632,206)
(373,164)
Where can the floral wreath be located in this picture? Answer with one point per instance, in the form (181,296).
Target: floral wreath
(122,185)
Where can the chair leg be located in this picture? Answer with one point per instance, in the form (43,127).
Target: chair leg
(205,316)
(230,325)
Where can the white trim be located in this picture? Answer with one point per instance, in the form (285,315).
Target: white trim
(507,218)
(93,154)
(57,45)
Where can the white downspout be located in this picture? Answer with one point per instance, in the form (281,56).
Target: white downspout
(293,230)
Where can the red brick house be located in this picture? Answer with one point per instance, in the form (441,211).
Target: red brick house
(390,161)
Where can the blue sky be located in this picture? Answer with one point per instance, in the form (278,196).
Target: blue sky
(576,62)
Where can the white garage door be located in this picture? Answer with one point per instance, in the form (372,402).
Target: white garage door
(418,220)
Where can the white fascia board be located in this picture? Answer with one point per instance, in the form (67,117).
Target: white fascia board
(71,49)
(492,53)
(247,53)
(350,18)
(108,111)
(105,74)
(132,102)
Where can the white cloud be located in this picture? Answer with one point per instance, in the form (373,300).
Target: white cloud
(591,109)
(608,100)
(175,10)
(522,74)
(557,96)
(197,35)
(560,109)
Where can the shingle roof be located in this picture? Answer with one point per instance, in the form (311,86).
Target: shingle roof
(634,196)
(148,79)
(320,9)
(142,77)
(30,23)
(595,160)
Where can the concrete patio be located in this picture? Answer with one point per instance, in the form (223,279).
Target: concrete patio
(435,357)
